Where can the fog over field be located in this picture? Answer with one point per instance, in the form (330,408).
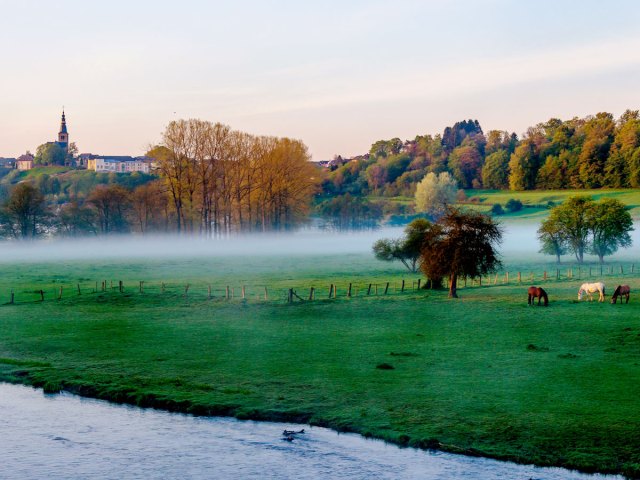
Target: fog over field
(518,240)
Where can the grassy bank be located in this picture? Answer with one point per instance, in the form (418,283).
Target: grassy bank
(483,375)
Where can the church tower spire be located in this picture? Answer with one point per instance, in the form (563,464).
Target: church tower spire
(63,135)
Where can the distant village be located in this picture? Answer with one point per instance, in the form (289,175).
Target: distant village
(87,161)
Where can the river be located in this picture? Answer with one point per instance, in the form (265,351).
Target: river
(66,437)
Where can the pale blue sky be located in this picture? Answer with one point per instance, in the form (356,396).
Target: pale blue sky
(336,74)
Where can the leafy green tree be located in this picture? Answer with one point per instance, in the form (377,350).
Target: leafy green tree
(406,249)
(599,132)
(610,224)
(434,193)
(551,175)
(552,238)
(461,244)
(50,154)
(573,222)
(523,167)
(24,215)
(495,171)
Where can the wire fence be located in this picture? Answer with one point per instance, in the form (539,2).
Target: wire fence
(314,291)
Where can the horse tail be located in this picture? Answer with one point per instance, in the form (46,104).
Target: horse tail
(529,299)
(545,297)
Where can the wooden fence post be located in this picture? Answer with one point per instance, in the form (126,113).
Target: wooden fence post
(507,278)
(419,280)
(243,292)
(545,276)
(311,290)
(290,297)
(369,290)
(266,294)
(162,288)
(402,288)
(621,271)
(141,287)
(60,294)
(41,295)
(331,291)
(79,292)
(386,288)
(519,278)
(557,274)
(349,291)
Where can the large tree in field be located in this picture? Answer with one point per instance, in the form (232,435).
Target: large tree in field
(24,214)
(406,249)
(552,239)
(610,224)
(435,192)
(573,221)
(461,244)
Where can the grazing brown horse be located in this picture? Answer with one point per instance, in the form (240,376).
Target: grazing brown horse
(539,293)
(621,291)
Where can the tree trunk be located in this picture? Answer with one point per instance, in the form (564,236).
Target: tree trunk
(453,286)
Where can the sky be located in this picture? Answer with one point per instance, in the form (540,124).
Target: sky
(338,75)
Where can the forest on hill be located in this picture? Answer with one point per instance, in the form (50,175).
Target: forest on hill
(596,151)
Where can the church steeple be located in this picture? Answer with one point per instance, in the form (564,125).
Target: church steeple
(63,135)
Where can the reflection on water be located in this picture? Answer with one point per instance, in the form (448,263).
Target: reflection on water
(64,436)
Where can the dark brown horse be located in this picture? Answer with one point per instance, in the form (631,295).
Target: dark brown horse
(539,293)
(621,291)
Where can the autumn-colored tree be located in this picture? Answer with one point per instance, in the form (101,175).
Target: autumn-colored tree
(24,214)
(111,204)
(461,244)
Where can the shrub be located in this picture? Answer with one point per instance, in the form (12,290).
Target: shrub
(513,205)
(497,209)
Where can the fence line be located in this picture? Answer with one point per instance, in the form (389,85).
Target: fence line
(311,292)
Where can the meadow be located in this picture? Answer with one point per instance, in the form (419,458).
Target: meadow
(482,375)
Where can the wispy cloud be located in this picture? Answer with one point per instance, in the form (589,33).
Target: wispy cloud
(467,77)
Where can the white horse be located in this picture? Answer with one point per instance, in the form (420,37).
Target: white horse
(590,288)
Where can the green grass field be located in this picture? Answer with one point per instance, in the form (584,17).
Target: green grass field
(484,375)
(535,202)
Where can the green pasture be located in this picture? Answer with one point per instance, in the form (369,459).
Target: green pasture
(483,375)
(536,202)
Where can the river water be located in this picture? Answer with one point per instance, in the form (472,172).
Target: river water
(68,437)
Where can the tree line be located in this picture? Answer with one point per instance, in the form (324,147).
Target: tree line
(591,152)
(211,181)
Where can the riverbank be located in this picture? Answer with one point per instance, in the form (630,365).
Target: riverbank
(485,375)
